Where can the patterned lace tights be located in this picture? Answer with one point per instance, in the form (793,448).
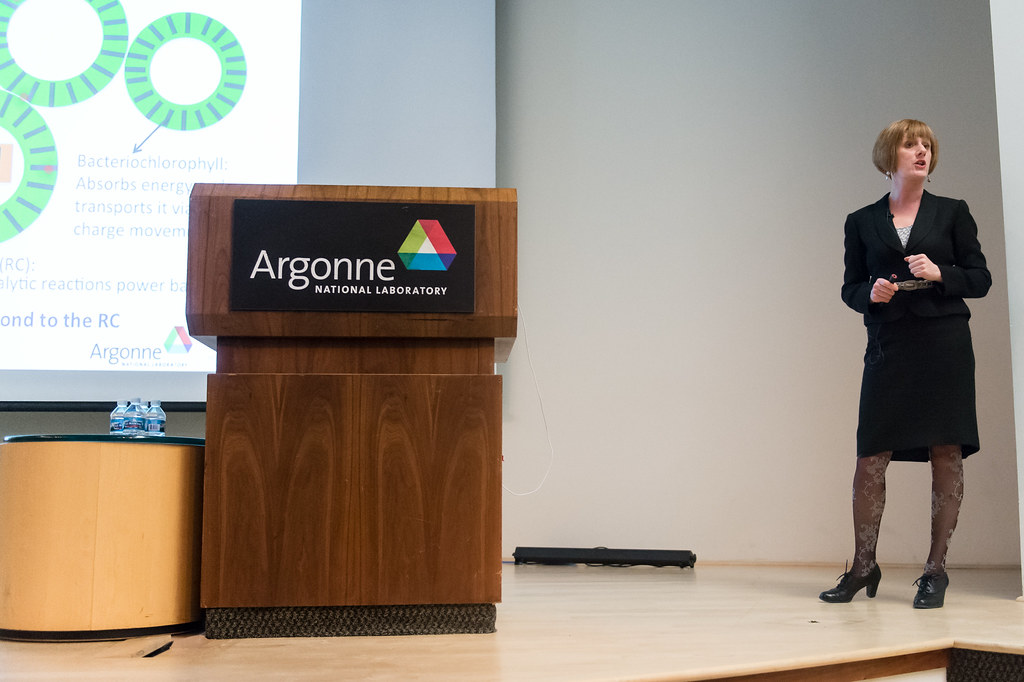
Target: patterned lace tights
(869,503)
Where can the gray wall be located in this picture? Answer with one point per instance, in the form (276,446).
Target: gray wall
(399,92)
(684,169)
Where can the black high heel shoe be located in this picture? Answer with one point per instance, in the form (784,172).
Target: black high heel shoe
(849,585)
(931,591)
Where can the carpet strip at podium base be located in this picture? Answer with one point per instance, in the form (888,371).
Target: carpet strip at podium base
(350,621)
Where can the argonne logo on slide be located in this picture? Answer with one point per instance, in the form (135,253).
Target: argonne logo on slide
(178,341)
(426,247)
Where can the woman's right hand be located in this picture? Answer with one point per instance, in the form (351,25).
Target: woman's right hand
(882,291)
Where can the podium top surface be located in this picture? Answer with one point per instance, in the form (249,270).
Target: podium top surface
(208,308)
(356,192)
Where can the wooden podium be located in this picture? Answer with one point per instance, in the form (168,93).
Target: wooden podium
(353,459)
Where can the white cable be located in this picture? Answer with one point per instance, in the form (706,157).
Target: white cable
(543,415)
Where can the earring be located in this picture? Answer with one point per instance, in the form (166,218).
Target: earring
(929,178)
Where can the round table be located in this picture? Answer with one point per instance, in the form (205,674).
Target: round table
(99,536)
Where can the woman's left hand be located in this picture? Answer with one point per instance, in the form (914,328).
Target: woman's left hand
(922,267)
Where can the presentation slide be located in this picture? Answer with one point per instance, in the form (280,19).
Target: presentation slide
(110,110)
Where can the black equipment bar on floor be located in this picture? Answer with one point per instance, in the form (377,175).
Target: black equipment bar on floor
(603,555)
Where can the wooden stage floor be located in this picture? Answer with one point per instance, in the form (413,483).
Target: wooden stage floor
(575,623)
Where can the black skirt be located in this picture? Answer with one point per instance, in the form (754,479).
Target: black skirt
(918,388)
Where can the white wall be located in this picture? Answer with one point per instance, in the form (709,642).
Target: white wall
(1008,56)
(684,169)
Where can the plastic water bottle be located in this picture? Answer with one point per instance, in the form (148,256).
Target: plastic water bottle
(135,418)
(156,418)
(117,418)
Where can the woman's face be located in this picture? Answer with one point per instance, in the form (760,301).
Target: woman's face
(913,158)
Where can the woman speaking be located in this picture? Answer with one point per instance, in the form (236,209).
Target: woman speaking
(911,260)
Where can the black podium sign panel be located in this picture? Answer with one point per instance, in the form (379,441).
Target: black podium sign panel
(344,256)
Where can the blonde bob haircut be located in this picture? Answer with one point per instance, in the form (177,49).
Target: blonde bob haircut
(890,139)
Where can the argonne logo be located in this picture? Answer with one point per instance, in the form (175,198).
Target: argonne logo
(426,247)
(178,341)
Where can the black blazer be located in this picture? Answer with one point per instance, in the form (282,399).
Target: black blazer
(943,230)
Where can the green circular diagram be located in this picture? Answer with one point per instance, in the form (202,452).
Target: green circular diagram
(169,114)
(40,172)
(61,93)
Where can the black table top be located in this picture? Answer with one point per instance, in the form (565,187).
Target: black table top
(103,438)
